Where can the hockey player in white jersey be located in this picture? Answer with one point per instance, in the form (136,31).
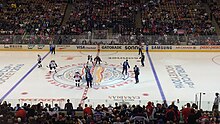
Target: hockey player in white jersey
(77,78)
(89,59)
(53,65)
(39,60)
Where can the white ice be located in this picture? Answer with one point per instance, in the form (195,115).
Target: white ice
(201,69)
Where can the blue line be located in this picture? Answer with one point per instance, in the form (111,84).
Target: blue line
(155,75)
(21,79)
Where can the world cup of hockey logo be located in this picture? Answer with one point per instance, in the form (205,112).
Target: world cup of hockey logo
(104,76)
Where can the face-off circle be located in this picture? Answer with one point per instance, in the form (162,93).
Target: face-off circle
(104,76)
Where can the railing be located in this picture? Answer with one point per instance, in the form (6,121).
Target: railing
(116,39)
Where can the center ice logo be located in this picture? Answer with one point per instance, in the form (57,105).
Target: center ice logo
(104,76)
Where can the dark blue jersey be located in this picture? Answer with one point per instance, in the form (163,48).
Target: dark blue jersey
(88,76)
(142,57)
(136,70)
(126,65)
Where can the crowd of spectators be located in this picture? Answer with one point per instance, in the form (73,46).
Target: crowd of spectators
(40,21)
(118,15)
(176,17)
(31,16)
(150,113)
(37,19)
(215,8)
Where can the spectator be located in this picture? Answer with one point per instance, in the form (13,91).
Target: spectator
(79,108)
(17,107)
(56,108)
(171,115)
(186,112)
(192,118)
(87,111)
(68,107)
(159,113)
(47,107)
(149,110)
(25,107)
(216,103)
(98,116)
(21,113)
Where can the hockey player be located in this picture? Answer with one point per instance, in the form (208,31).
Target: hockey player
(52,65)
(136,73)
(125,67)
(87,69)
(97,59)
(39,59)
(142,59)
(140,47)
(52,48)
(90,58)
(89,79)
(77,78)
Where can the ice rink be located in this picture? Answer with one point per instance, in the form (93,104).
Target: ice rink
(171,76)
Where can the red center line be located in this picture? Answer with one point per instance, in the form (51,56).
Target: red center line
(84,96)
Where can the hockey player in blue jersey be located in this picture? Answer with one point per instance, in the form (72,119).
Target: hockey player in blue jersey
(142,59)
(87,69)
(89,79)
(136,73)
(125,67)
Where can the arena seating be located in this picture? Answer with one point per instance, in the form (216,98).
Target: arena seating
(166,19)
(215,8)
(101,15)
(31,16)
(184,17)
